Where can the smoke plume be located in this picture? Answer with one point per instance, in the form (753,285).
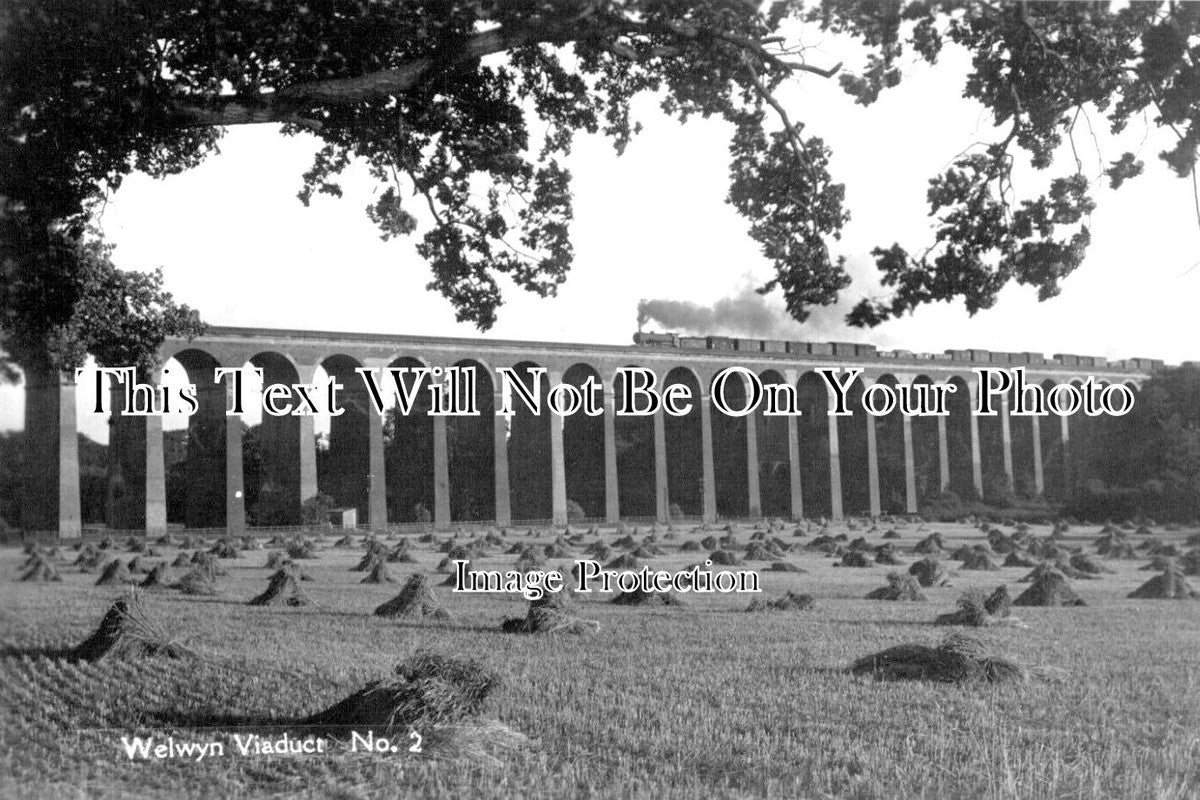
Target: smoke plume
(748,314)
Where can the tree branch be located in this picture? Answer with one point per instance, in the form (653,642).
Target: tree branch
(285,104)
(756,47)
(230,110)
(292,103)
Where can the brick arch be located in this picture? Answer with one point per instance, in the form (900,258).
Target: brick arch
(774,462)
(271,461)
(196,486)
(583,448)
(343,467)
(927,476)
(637,491)
(529,467)
(471,450)
(408,446)
(889,447)
(958,440)
(684,444)
(813,436)
(730,456)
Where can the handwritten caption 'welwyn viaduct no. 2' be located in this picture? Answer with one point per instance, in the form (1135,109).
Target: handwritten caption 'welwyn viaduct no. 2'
(452,391)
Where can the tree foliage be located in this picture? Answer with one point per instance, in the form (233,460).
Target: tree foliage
(1159,440)
(1037,67)
(468,110)
(1146,462)
(62,299)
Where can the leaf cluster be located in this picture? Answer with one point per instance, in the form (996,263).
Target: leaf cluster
(464,114)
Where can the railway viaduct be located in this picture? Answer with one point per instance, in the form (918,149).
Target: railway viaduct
(448,470)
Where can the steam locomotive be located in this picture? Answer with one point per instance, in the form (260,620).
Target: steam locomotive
(729,343)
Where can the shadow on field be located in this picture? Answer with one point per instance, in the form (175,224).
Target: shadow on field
(312,609)
(912,623)
(193,720)
(193,600)
(265,728)
(834,672)
(9,651)
(315,611)
(441,626)
(433,689)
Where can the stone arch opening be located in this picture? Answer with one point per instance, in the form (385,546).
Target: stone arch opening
(889,446)
(958,440)
(124,490)
(729,451)
(196,479)
(1104,461)
(471,451)
(343,458)
(408,448)
(1081,447)
(996,488)
(852,446)
(583,450)
(1054,466)
(271,449)
(926,464)
(635,459)
(1021,435)
(774,466)
(685,453)
(812,427)
(529,469)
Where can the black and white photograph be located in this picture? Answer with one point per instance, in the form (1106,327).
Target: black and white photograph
(599,399)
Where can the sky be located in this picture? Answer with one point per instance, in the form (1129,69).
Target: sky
(234,242)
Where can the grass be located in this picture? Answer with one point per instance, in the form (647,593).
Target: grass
(662,702)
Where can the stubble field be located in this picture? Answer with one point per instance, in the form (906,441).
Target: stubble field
(702,699)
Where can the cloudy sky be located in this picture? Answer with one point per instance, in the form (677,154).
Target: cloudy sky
(235,243)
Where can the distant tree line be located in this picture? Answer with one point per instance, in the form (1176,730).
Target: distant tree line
(93,479)
(1146,463)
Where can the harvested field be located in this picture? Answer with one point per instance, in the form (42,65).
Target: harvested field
(700,699)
